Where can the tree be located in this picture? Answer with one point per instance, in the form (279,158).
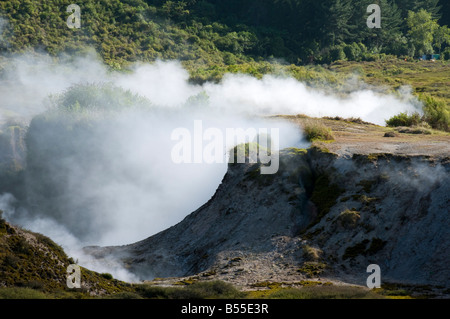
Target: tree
(175,9)
(441,36)
(421,30)
(445,19)
(327,21)
(389,33)
(379,38)
(432,6)
(337,14)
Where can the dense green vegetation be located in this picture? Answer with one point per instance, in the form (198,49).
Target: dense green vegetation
(230,32)
(318,42)
(33,266)
(324,195)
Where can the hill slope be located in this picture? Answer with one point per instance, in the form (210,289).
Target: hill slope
(323,215)
(32,260)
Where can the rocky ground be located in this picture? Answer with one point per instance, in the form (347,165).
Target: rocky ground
(353,136)
(330,212)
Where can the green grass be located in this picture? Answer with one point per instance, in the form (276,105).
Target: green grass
(316,131)
(429,82)
(22,293)
(312,268)
(31,260)
(325,292)
(310,290)
(196,290)
(221,290)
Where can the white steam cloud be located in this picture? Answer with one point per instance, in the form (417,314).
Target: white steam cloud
(144,192)
(29,79)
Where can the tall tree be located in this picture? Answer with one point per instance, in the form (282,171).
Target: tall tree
(441,37)
(391,21)
(421,29)
(445,10)
(328,20)
(432,6)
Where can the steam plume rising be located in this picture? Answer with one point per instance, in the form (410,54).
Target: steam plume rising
(125,187)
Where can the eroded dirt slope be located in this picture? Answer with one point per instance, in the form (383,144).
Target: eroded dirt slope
(326,215)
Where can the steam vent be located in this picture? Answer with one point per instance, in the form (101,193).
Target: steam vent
(325,214)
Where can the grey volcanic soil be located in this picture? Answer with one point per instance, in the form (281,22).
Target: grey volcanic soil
(326,215)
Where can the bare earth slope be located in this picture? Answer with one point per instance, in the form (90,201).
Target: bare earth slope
(326,215)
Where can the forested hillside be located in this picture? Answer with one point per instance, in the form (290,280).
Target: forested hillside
(214,32)
(302,38)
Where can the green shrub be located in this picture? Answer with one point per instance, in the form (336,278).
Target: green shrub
(104,96)
(11,261)
(337,53)
(403,119)
(324,196)
(316,131)
(2,223)
(414,130)
(312,268)
(107,276)
(446,54)
(21,246)
(349,219)
(353,51)
(436,113)
(311,253)
(368,56)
